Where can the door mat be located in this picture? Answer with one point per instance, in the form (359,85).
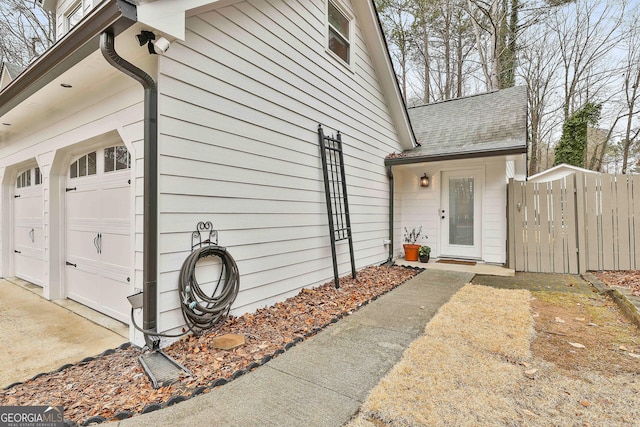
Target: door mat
(455,261)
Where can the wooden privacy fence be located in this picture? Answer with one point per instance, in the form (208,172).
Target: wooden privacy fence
(584,221)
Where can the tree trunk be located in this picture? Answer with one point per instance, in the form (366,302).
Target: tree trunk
(631,100)
(427,67)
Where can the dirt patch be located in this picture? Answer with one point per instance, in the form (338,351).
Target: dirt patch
(582,369)
(592,321)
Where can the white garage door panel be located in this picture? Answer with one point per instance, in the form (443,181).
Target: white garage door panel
(117,202)
(81,287)
(98,212)
(28,232)
(81,249)
(83,203)
(112,250)
(114,299)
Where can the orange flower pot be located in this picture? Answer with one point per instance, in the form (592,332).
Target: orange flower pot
(411,252)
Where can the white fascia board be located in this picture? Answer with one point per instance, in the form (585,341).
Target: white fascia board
(168,16)
(386,75)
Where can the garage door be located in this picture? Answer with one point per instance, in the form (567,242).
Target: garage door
(98,231)
(28,227)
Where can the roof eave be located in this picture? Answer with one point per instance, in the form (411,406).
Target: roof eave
(113,15)
(395,161)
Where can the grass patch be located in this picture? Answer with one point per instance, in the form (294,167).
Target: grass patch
(474,344)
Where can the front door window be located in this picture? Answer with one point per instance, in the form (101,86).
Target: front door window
(461,214)
(461,201)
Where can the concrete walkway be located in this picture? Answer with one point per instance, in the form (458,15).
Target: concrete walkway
(39,336)
(323,380)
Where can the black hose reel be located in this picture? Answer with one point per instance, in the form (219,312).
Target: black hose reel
(204,310)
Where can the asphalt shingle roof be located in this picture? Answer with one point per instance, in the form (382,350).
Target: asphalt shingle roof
(489,122)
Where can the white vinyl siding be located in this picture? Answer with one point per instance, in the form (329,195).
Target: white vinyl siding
(240,103)
(417,206)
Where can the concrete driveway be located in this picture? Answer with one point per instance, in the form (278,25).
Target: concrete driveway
(37,335)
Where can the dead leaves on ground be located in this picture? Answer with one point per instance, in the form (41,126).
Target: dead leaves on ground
(628,279)
(116,382)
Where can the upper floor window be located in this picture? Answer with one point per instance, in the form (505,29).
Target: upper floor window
(339,32)
(73,16)
(84,166)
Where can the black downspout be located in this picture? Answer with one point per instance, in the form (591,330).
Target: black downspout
(391,208)
(150,243)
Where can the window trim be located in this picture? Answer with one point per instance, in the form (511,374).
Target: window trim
(329,27)
(72,10)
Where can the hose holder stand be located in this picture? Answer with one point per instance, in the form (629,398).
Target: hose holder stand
(202,228)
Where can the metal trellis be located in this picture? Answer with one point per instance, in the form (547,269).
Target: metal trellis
(335,188)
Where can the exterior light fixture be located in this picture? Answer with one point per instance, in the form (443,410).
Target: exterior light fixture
(424,180)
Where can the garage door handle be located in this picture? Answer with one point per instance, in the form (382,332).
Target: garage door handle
(32,234)
(70,189)
(71,264)
(16,196)
(97,242)
(18,252)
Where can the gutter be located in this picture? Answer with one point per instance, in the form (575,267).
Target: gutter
(150,227)
(114,15)
(425,158)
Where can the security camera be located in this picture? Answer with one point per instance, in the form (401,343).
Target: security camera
(155,45)
(161,45)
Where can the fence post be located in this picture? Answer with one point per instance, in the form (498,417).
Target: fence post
(581,231)
(511,225)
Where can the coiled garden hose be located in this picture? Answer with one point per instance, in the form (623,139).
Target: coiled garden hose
(200,310)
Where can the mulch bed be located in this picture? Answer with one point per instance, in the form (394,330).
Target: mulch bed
(629,279)
(114,385)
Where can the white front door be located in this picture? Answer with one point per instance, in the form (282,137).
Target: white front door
(98,211)
(28,230)
(460,214)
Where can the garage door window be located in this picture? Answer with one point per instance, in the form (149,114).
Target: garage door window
(24,179)
(84,166)
(116,158)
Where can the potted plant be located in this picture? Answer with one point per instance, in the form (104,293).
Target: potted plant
(410,247)
(424,253)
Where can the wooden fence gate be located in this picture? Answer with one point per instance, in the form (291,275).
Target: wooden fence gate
(584,221)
